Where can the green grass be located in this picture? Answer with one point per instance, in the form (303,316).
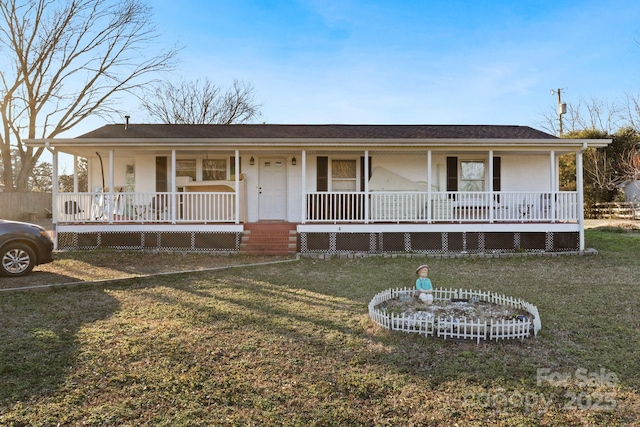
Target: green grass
(291,344)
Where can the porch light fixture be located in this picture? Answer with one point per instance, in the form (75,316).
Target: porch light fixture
(252,161)
(293,161)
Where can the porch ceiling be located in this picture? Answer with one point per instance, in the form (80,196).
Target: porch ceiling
(120,152)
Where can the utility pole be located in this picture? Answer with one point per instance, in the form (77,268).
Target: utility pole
(562,107)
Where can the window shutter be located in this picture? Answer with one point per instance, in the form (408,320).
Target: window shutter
(161,174)
(232,165)
(496,174)
(322,173)
(452,174)
(362,177)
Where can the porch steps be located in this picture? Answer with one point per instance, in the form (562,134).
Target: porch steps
(269,239)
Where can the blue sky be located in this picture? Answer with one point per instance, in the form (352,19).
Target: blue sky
(404,61)
(408,61)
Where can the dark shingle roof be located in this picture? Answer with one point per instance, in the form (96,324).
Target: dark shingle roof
(270,131)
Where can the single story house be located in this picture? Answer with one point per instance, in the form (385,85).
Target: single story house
(325,189)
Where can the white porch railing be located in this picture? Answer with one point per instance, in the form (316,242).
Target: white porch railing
(143,208)
(409,206)
(338,207)
(335,207)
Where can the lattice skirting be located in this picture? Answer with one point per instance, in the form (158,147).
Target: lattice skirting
(166,241)
(440,242)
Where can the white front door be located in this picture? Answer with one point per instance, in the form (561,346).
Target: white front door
(272,198)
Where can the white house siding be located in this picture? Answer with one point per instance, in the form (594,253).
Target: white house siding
(145,167)
(517,170)
(310,178)
(412,167)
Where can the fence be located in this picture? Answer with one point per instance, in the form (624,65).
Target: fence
(24,206)
(458,327)
(613,210)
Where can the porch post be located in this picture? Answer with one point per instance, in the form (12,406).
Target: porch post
(111,210)
(75,173)
(491,199)
(303,183)
(174,212)
(366,186)
(579,185)
(429,181)
(54,197)
(554,186)
(237,183)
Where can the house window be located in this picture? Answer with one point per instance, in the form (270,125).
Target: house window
(471,176)
(130,179)
(343,175)
(186,167)
(214,169)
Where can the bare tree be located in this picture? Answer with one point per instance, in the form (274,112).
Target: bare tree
(631,110)
(583,114)
(66,181)
(41,177)
(65,61)
(605,169)
(202,102)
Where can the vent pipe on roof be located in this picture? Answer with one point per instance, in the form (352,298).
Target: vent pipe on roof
(126,122)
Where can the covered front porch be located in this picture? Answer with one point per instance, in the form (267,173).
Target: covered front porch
(228,207)
(334,222)
(214,216)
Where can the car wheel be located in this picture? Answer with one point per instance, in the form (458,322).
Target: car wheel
(17,260)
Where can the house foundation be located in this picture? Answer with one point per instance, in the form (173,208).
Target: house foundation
(190,241)
(306,240)
(437,242)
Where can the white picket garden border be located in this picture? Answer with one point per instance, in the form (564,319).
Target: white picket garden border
(458,327)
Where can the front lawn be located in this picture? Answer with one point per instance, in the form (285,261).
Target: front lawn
(291,344)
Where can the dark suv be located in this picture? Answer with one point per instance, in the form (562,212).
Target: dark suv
(22,247)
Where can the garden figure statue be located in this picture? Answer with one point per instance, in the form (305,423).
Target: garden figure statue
(423,285)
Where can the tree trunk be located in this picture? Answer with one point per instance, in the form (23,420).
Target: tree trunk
(7,171)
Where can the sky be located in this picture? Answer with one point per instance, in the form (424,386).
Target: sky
(406,61)
(403,61)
